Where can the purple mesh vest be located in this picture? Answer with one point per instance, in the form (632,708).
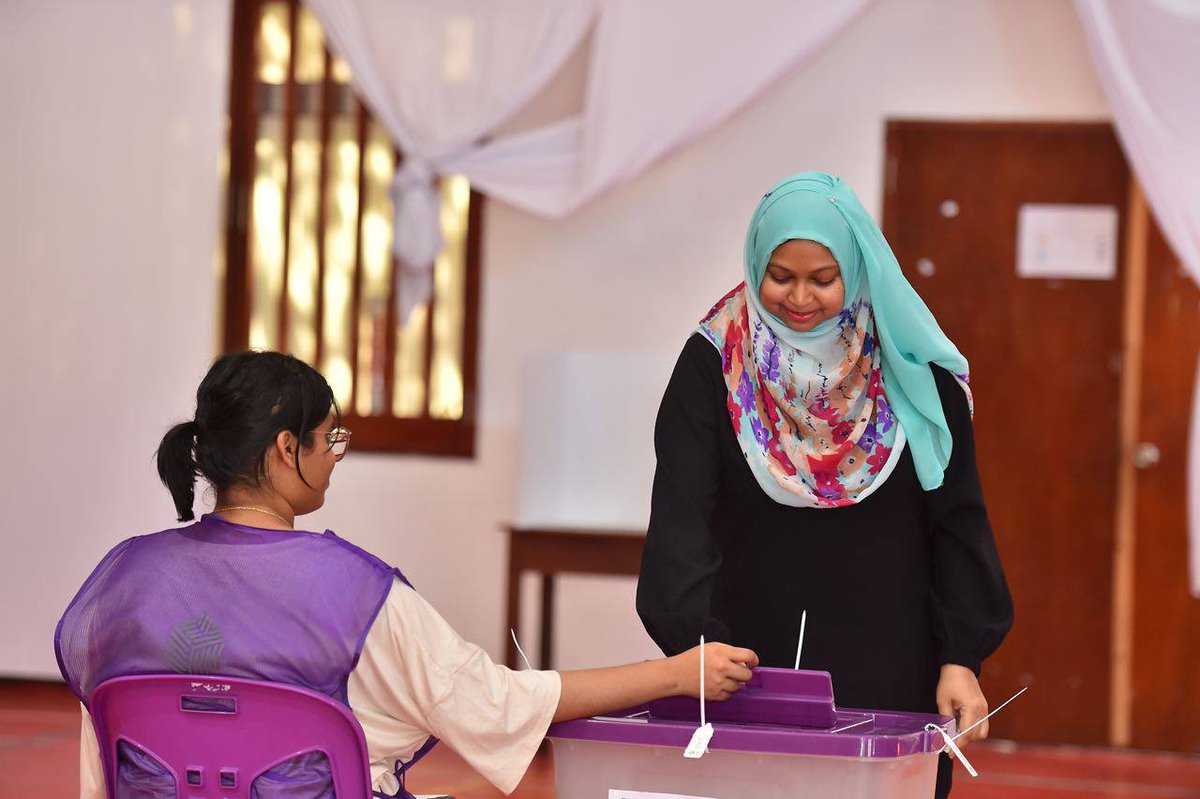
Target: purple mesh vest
(219,598)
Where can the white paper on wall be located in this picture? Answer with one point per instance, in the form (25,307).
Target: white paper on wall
(1072,242)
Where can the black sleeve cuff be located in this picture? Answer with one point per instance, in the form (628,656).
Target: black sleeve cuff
(951,658)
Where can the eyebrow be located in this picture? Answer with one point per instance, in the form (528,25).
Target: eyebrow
(773,265)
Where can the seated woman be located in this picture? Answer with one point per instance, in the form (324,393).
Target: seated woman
(241,593)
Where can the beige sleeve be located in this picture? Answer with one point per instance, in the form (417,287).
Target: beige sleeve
(91,771)
(418,677)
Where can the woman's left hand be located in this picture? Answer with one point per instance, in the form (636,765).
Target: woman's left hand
(959,694)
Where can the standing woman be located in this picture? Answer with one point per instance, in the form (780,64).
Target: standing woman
(815,453)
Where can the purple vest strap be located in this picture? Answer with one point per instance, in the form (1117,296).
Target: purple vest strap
(402,769)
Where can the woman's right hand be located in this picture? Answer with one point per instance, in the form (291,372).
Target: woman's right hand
(726,668)
(597,691)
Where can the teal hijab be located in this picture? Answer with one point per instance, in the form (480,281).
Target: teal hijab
(897,336)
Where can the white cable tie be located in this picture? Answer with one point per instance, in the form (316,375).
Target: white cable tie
(699,743)
(994,712)
(800,643)
(704,733)
(953,748)
(521,651)
(950,742)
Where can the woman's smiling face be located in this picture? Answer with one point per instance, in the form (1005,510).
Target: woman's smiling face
(802,285)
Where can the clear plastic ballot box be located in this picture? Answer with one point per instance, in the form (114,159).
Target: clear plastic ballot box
(780,737)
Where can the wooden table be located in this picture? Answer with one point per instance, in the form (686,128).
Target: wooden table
(555,551)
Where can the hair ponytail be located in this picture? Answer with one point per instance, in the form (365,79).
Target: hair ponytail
(177,467)
(242,405)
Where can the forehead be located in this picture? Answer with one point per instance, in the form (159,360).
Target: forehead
(802,255)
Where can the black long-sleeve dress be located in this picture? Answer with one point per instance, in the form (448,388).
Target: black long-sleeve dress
(895,586)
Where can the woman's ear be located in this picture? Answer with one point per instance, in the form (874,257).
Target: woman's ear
(285,448)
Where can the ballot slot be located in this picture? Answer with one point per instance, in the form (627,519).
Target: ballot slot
(784,697)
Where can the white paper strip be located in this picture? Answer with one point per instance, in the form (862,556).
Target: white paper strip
(614,793)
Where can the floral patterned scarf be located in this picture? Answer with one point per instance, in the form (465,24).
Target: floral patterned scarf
(822,417)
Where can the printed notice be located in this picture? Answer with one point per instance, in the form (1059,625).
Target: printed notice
(616,794)
(1071,242)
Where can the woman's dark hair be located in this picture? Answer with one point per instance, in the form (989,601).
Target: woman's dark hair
(244,402)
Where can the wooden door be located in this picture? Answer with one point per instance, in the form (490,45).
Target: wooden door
(1165,697)
(1045,370)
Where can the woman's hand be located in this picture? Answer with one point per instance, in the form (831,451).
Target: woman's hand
(959,694)
(725,669)
(590,693)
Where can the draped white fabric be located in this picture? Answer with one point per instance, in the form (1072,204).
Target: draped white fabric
(661,74)
(439,77)
(442,76)
(1147,54)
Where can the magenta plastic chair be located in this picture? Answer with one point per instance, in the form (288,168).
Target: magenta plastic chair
(216,735)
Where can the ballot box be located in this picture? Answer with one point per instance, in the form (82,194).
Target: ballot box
(780,737)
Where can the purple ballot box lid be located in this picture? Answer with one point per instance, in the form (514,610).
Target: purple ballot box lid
(780,711)
(772,696)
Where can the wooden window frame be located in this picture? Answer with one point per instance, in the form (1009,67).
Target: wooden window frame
(423,435)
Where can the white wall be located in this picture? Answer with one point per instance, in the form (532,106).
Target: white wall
(631,273)
(109,203)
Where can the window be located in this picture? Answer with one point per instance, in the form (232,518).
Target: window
(308,264)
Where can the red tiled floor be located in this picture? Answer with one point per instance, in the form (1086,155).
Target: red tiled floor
(39,751)
(1063,772)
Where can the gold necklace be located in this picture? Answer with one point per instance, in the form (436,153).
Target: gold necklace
(256,510)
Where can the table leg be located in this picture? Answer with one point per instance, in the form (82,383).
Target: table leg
(545,661)
(513,620)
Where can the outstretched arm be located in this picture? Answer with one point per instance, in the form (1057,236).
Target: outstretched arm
(596,691)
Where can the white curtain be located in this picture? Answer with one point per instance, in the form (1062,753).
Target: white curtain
(1147,53)
(439,76)
(442,76)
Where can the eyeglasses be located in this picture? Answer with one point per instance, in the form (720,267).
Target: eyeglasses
(338,440)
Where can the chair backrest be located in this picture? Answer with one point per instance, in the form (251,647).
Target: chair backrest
(216,735)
